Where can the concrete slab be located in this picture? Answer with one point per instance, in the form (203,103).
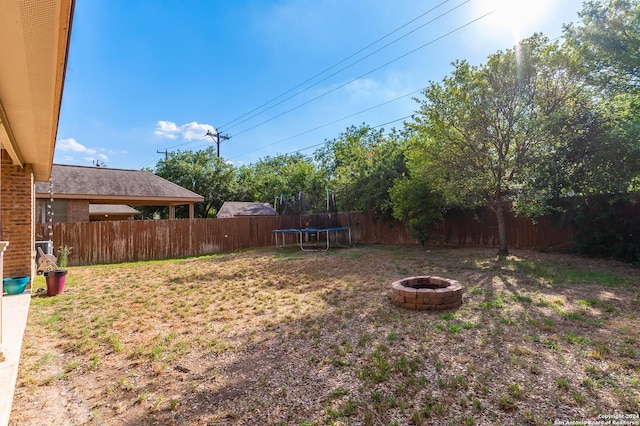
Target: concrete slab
(15,310)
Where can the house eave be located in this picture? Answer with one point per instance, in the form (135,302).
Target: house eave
(122,199)
(34,46)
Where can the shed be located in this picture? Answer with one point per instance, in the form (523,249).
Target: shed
(232,209)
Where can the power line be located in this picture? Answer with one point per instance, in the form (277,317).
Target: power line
(392,121)
(367,73)
(165,152)
(217,138)
(350,65)
(329,123)
(355,79)
(148,160)
(325,142)
(337,63)
(187,142)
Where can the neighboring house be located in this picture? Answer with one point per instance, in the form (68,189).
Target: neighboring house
(34,46)
(241,208)
(76,189)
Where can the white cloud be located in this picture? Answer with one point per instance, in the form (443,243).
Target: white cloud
(362,89)
(188,131)
(72,145)
(194,130)
(167,129)
(363,85)
(368,89)
(103,157)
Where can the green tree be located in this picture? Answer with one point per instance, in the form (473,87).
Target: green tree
(484,128)
(418,205)
(204,173)
(283,176)
(599,155)
(607,40)
(606,43)
(361,165)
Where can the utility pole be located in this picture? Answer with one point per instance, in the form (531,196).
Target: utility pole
(217,138)
(165,152)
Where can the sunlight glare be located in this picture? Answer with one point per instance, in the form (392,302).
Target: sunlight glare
(514,18)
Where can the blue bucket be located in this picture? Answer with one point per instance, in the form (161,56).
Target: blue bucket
(15,285)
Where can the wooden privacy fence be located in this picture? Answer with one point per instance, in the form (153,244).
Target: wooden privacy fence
(134,240)
(126,241)
(477,229)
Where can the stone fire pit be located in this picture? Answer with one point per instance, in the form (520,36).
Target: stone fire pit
(427,293)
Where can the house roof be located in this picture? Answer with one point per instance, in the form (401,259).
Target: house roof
(242,208)
(102,185)
(113,209)
(34,46)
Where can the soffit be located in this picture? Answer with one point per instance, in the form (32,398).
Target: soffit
(34,40)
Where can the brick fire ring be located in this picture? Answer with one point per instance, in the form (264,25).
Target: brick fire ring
(427,293)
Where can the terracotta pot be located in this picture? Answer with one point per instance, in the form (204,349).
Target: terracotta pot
(55,281)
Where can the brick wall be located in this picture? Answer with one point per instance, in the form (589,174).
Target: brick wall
(16,207)
(78,211)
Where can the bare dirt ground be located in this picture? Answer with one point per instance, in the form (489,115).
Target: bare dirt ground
(280,337)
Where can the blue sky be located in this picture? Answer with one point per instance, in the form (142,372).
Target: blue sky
(277,76)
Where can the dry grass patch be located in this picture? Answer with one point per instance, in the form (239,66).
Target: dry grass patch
(288,338)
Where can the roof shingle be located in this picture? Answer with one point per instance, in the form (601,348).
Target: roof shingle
(115,209)
(101,184)
(243,208)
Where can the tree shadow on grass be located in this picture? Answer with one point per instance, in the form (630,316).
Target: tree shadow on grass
(340,351)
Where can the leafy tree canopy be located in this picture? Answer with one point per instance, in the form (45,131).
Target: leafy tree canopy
(418,205)
(203,173)
(606,43)
(607,40)
(361,164)
(282,176)
(484,128)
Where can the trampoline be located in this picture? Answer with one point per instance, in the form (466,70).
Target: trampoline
(308,233)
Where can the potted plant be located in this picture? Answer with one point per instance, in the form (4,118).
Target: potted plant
(56,277)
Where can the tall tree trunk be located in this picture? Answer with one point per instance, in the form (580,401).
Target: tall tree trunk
(503,250)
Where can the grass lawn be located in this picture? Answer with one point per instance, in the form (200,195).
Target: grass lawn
(281,337)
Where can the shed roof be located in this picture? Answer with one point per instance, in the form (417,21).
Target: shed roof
(243,208)
(102,185)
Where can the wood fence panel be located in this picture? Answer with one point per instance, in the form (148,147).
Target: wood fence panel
(122,241)
(180,237)
(368,230)
(471,230)
(202,234)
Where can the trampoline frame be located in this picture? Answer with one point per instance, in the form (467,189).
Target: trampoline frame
(310,231)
